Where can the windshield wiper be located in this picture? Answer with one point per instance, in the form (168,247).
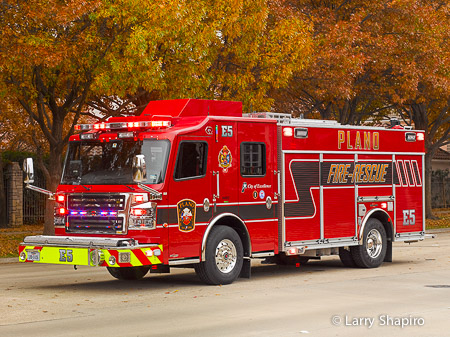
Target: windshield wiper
(131,188)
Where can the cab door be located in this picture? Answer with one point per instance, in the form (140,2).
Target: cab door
(189,189)
(225,163)
(258,183)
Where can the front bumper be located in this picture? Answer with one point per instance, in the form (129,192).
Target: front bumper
(88,251)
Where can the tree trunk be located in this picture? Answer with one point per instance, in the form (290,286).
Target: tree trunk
(52,176)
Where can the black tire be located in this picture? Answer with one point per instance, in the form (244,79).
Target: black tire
(224,257)
(372,252)
(346,258)
(128,273)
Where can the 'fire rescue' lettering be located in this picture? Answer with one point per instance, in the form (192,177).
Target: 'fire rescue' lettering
(360,173)
(367,141)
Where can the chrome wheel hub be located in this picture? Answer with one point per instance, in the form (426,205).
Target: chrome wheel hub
(226,256)
(374,243)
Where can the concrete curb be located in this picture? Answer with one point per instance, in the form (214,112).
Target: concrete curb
(438,230)
(5,260)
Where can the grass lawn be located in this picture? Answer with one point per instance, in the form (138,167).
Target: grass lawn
(10,238)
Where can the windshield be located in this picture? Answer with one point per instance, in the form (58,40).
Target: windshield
(110,163)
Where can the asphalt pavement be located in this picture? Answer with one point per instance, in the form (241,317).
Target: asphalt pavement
(408,297)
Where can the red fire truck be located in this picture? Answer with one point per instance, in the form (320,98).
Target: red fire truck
(195,183)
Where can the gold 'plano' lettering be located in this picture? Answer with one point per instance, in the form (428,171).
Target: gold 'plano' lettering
(349,141)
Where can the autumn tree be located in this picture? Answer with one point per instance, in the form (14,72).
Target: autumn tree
(36,46)
(417,70)
(58,56)
(372,58)
(236,50)
(51,59)
(339,81)
(13,136)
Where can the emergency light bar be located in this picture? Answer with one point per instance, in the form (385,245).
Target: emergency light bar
(123,125)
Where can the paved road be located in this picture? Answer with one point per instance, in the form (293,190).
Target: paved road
(320,299)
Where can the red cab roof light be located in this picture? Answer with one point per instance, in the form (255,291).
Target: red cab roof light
(124,125)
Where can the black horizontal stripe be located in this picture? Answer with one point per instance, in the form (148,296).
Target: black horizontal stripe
(245,212)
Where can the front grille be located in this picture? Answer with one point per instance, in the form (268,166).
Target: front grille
(96,213)
(103,202)
(95,224)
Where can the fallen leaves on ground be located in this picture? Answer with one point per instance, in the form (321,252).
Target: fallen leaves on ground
(443,220)
(10,238)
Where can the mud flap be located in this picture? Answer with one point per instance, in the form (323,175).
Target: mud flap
(246,268)
(388,257)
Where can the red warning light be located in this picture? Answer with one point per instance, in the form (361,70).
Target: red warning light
(138,211)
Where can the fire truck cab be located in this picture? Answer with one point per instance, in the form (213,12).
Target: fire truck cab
(195,183)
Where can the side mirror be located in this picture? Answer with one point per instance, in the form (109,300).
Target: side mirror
(29,170)
(139,169)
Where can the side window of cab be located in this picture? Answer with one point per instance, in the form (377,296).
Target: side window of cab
(191,160)
(253,159)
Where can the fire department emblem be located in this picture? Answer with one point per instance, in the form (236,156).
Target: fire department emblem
(186,215)
(225,158)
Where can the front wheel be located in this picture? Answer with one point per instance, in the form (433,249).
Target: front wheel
(224,257)
(372,252)
(128,273)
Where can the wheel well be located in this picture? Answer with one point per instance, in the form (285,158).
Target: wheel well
(385,221)
(234,222)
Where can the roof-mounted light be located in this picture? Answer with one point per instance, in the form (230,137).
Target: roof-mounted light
(160,124)
(100,126)
(125,134)
(84,127)
(123,125)
(88,136)
(150,124)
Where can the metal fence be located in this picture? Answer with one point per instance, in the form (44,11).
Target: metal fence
(6,187)
(440,192)
(33,202)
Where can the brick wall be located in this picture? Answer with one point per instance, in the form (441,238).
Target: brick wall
(14,179)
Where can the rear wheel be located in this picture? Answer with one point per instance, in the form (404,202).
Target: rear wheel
(224,257)
(372,252)
(128,273)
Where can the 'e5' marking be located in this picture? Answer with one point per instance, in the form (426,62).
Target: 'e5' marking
(227,131)
(65,255)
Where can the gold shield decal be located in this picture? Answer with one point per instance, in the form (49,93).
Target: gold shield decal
(186,215)
(225,158)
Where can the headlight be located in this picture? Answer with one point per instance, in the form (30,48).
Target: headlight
(143,216)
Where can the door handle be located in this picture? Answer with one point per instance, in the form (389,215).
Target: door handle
(217,184)
(217,195)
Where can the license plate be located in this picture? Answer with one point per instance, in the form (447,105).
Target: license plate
(33,255)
